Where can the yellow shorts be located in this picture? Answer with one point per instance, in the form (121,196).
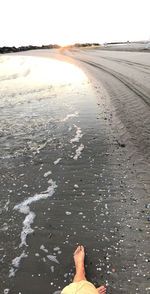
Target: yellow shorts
(82,287)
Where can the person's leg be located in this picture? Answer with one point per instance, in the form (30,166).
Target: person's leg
(80,270)
(79,264)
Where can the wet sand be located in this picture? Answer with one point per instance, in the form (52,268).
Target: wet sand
(101,200)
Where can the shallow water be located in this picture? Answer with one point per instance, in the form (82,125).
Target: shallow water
(42,103)
(34,99)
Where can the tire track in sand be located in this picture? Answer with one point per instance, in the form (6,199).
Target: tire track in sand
(134,88)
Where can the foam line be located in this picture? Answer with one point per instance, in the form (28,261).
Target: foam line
(78,151)
(47,174)
(70,115)
(26,230)
(78,135)
(16,263)
(49,192)
(24,208)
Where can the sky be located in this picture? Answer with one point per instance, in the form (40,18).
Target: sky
(64,22)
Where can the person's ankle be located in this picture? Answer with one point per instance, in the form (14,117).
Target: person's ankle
(80,270)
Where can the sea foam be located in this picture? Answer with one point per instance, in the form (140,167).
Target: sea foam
(16,263)
(78,135)
(24,208)
(70,115)
(78,151)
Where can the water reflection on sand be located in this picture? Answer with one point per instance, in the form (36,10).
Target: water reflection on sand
(34,95)
(40,128)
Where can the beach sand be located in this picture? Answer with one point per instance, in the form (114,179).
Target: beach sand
(93,174)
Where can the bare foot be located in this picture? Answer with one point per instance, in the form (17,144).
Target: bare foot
(79,258)
(101,290)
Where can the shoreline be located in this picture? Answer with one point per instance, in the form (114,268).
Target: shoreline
(97,201)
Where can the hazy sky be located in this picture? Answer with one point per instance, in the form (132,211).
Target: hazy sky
(37,22)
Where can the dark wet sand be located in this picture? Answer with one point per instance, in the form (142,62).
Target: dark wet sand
(107,211)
